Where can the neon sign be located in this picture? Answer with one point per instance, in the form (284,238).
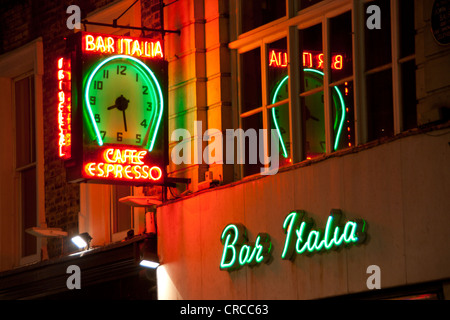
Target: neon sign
(64,108)
(119,109)
(339,102)
(301,238)
(111,44)
(238,252)
(311,59)
(123,164)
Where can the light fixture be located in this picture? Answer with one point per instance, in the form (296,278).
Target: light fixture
(148,253)
(82,240)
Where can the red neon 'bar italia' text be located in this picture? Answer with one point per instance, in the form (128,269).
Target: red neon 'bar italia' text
(95,43)
(279,59)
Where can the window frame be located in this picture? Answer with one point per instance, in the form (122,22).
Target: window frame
(15,65)
(31,164)
(295,20)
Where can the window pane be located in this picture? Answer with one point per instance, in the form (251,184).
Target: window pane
(312,108)
(25,126)
(302,4)
(341,46)
(251,126)
(313,124)
(343,116)
(409,102)
(407,31)
(277,66)
(29,210)
(122,212)
(379,105)
(279,121)
(251,80)
(278,90)
(312,56)
(255,13)
(378,41)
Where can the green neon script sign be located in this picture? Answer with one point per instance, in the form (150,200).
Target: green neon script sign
(301,238)
(238,252)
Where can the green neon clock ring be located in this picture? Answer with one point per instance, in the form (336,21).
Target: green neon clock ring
(124,101)
(339,124)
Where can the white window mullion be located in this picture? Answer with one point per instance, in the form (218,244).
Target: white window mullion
(265,118)
(359,83)
(396,74)
(326,86)
(295,125)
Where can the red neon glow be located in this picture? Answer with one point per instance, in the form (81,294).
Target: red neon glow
(123,164)
(311,59)
(112,44)
(64,108)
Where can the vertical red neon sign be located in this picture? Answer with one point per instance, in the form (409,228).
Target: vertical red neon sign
(64,109)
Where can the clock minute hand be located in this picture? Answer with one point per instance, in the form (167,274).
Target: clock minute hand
(124,120)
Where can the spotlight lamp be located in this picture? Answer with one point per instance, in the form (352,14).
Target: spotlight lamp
(82,240)
(148,254)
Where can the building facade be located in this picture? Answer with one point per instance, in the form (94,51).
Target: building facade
(309,139)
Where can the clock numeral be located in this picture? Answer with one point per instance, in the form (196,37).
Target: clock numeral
(145,88)
(92,100)
(138,138)
(144,123)
(103,133)
(149,106)
(97,118)
(105,74)
(121,70)
(119,136)
(137,77)
(98,85)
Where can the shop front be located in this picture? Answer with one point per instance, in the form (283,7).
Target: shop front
(363,224)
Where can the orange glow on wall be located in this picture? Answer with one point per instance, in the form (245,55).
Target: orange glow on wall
(311,59)
(123,164)
(64,108)
(111,44)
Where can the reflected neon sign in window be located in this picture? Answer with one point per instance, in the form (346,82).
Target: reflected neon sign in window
(311,59)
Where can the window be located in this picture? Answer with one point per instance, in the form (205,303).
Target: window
(22,202)
(390,69)
(26,160)
(121,214)
(256,13)
(299,78)
(303,4)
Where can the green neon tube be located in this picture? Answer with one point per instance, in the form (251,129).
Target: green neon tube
(341,100)
(140,63)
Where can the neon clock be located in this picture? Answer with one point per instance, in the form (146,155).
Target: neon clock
(124,101)
(119,104)
(313,114)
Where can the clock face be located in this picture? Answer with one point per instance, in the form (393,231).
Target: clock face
(313,114)
(124,102)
